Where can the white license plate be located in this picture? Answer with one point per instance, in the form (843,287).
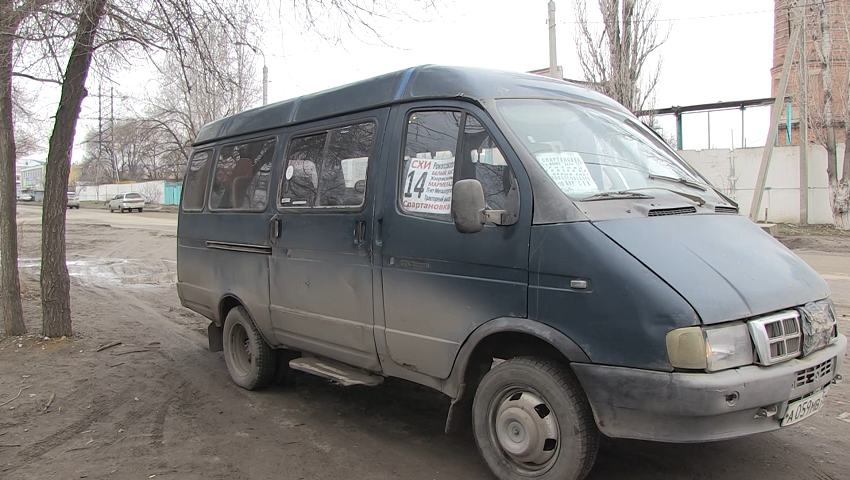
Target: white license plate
(804,408)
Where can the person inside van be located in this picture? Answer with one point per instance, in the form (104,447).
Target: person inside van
(220,193)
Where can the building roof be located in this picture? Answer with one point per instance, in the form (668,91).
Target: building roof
(417,83)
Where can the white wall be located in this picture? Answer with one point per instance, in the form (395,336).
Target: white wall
(735,172)
(152,191)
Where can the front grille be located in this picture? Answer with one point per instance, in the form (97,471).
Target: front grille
(777,337)
(813,374)
(720,209)
(663,212)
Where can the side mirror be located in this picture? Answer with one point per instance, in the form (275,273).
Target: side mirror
(360,186)
(468,206)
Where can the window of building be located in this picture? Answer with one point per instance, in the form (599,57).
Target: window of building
(430,169)
(242,174)
(328,169)
(194,186)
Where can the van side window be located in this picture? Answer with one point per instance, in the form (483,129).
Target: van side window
(242,174)
(429,163)
(195,184)
(328,169)
(430,169)
(484,161)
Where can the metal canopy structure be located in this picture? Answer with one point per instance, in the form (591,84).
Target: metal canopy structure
(707,107)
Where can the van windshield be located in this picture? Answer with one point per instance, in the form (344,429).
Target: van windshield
(588,151)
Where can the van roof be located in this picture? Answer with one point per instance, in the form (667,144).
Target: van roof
(423,82)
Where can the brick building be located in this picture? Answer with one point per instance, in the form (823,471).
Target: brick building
(837,13)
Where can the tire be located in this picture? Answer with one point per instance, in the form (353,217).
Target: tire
(560,442)
(111,210)
(140,210)
(250,360)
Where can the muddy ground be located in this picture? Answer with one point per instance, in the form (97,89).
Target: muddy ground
(160,404)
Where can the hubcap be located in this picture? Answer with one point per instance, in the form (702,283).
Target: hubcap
(241,352)
(526,430)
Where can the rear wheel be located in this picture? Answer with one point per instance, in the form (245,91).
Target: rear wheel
(250,360)
(531,419)
(140,210)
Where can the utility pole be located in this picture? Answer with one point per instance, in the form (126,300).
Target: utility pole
(553,54)
(112,132)
(99,141)
(804,124)
(265,82)
(775,114)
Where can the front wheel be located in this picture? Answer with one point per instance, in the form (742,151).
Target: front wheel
(531,419)
(140,210)
(250,360)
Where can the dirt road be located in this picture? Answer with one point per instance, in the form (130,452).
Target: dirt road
(161,404)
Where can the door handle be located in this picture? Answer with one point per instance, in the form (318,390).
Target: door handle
(359,232)
(379,233)
(274,230)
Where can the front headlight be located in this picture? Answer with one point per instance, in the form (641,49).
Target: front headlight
(712,348)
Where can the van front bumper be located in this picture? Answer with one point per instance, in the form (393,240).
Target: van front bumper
(702,407)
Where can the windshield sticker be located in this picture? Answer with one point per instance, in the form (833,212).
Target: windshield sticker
(428,185)
(568,171)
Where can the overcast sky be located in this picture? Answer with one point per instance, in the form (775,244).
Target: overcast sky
(716,51)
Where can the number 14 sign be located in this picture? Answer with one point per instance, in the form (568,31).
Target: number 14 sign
(428,186)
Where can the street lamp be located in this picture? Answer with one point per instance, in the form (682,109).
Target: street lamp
(265,70)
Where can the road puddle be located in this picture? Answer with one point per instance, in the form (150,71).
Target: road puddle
(114,271)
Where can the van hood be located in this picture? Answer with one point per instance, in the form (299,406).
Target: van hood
(725,266)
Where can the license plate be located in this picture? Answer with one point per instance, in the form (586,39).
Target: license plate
(804,408)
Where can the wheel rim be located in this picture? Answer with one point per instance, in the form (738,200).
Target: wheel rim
(525,430)
(241,352)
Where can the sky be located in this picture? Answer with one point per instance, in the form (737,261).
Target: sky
(716,51)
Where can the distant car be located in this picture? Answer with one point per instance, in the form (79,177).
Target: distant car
(127,201)
(26,197)
(73,200)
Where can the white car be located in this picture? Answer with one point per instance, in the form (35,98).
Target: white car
(127,201)
(73,200)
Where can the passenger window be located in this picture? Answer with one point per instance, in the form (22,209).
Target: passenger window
(242,174)
(328,169)
(429,163)
(195,184)
(484,161)
(430,169)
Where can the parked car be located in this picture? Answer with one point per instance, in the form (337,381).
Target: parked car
(522,244)
(127,202)
(26,197)
(73,200)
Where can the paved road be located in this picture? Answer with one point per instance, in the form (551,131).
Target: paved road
(160,221)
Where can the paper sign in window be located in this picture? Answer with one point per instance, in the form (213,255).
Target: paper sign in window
(568,171)
(428,185)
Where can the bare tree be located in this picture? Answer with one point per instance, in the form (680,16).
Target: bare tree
(616,58)
(829,102)
(55,283)
(12,14)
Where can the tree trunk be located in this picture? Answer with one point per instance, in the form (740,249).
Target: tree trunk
(839,191)
(10,286)
(55,283)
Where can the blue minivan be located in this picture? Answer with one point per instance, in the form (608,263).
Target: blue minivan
(522,244)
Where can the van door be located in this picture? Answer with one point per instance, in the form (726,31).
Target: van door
(321,262)
(438,284)
(223,244)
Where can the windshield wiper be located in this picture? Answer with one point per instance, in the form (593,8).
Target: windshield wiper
(695,198)
(682,181)
(614,196)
